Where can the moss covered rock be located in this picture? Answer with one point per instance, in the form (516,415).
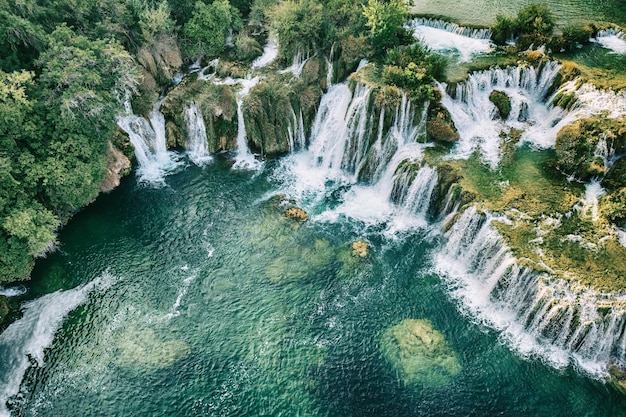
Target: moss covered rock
(296,213)
(615,178)
(577,147)
(502,102)
(218,106)
(420,354)
(440,126)
(4,308)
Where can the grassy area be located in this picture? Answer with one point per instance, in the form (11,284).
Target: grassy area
(547,232)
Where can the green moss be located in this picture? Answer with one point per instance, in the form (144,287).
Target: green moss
(420,354)
(502,103)
(440,126)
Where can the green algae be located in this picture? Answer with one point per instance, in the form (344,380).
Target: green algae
(420,354)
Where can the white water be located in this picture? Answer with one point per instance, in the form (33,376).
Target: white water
(23,343)
(244,158)
(613,39)
(148,139)
(296,132)
(540,316)
(270,52)
(476,117)
(346,144)
(13,291)
(590,201)
(299,61)
(197,143)
(443,36)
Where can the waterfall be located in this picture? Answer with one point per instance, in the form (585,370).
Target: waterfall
(613,39)
(148,139)
(296,132)
(443,36)
(23,343)
(244,158)
(559,321)
(297,65)
(590,201)
(350,142)
(474,33)
(270,52)
(197,143)
(476,117)
(339,130)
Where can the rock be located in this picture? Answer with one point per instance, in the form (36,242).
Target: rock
(141,350)
(420,354)
(360,248)
(297,213)
(4,308)
(440,126)
(118,165)
(502,103)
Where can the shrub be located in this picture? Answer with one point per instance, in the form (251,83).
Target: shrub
(502,103)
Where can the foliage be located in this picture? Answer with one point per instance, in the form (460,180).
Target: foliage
(532,25)
(205,33)
(154,21)
(300,24)
(385,22)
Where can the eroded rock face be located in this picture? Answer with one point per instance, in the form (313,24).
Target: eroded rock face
(118,165)
(420,354)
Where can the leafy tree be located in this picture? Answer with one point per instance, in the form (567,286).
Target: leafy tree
(536,19)
(34,225)
(385,21)
(205,33)
(504,30)
(299,24)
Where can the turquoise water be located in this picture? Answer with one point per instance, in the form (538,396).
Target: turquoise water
(216,304)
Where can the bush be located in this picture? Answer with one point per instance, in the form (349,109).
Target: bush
(504,29)
(386,22)
(205,33)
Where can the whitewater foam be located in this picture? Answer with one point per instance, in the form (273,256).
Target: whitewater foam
(613,39)
(24,342)
(448,37)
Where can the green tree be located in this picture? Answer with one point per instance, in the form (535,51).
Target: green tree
(385,21)
(205,33)
(36,226)
(299,24)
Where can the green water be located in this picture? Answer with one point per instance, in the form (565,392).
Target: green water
(483,12)
(273,318)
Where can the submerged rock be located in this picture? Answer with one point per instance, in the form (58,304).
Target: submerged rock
(360,248)
(142,350)
(420,354)
(297,213)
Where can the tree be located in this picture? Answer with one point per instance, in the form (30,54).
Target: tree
(385,21)
(206,32)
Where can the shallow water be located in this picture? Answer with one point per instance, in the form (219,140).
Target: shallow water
(217,305)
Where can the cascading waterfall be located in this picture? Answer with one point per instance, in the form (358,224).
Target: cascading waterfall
(25,340)
(537,314)
(346,145)
(297,65)
(475,116)
(444,36)
(148,139)
(296,132)
(613,39)
(590,201)
(197,144)
(270,52)
(475,33)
